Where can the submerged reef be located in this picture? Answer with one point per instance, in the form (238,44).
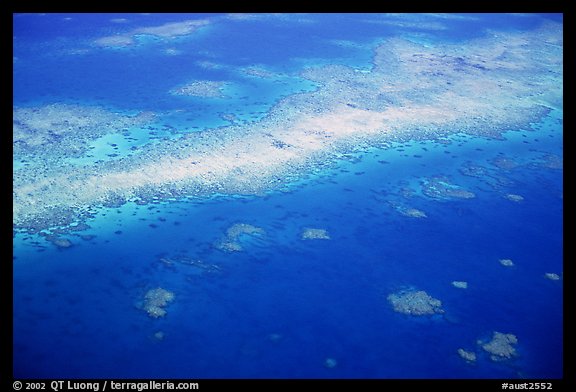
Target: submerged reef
(416,303)
(172,262)
(551,161)
(314,234)
(413,213)
(330,363)
(552,276)
(155,302)
(441,188)
(468,356)
(201,88)
(501,347)
(460,284)
(59,242)
(167,30)
(404,210)
(514,197)
(506,262)
(232,241)
(504,163)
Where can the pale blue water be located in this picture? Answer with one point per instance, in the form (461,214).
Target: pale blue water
(283,306)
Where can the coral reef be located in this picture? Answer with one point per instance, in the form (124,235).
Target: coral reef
(314,234)
(415,303)
(468,356)
(552,276)
(156,300)
(231,242)
(501,347)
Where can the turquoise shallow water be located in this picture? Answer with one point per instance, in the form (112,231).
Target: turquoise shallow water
(284,306)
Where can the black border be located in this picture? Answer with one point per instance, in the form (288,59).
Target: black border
(549,6)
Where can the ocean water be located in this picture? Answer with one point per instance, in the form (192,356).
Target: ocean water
(283,306)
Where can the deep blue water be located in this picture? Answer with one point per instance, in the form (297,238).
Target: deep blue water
(283,306)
